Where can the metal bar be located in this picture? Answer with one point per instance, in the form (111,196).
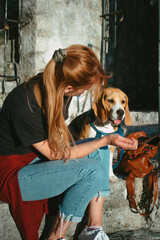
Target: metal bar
(10,20)
(6,9)
(84,103)
(136,19)
(103,35)
(21,9)
(125,50)
(20,33)
(115,27)
(131,85)
(112,14)
(5,42)
(8,76)
(78,104)
(21,12)
(115,41)
(159,71)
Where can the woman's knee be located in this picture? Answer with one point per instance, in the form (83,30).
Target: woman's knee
(99,173)
(95,171)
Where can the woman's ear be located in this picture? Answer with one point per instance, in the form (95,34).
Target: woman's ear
(68,89)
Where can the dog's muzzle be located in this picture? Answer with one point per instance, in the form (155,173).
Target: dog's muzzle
(120,114)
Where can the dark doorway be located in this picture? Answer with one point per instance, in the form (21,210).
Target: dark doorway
(133,51)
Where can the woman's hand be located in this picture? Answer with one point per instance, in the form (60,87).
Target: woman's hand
(84,149)
(122,142)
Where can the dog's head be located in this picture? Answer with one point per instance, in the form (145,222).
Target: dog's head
(112,106)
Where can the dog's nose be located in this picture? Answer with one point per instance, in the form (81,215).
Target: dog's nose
(120,112)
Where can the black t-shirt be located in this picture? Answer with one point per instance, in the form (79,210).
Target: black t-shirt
(22,122)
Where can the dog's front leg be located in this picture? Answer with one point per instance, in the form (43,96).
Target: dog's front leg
(112,177)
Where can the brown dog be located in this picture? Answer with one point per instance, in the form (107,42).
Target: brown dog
(105,117)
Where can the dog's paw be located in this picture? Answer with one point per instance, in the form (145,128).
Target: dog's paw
(113,178)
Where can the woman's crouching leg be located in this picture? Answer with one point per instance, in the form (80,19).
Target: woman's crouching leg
(77,197)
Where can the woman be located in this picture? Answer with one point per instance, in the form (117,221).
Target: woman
(35,144)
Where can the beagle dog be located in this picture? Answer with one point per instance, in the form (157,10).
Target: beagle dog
(104,118)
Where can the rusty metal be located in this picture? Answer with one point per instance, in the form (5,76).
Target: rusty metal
(19,22)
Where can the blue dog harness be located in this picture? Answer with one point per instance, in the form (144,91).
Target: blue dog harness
(99,134)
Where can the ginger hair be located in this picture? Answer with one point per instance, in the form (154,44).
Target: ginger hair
(80,69)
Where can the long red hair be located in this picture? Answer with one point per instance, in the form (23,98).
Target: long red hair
(80,69)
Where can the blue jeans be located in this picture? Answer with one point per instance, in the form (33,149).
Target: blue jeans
(79,180)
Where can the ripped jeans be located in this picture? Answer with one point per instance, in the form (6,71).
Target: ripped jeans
(78,181)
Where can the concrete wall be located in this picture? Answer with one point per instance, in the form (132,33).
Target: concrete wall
(47,26)
(54,24)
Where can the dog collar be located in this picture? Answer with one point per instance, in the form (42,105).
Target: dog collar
(99,134)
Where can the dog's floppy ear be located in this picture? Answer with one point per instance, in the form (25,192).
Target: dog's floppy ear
(104,109)
(94,107)
(127,120)
(99,108)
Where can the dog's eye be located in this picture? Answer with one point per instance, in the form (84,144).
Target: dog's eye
(110,101)
(123,102)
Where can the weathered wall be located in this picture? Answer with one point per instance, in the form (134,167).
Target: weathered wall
(54,24)
(49,25)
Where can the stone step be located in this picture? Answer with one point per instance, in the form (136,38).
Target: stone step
(117,215)
(138,234)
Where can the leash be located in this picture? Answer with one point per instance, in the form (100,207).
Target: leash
(99,134)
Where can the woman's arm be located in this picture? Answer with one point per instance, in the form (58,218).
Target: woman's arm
(84,149)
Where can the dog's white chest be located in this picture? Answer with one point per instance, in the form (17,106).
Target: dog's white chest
(105,129)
